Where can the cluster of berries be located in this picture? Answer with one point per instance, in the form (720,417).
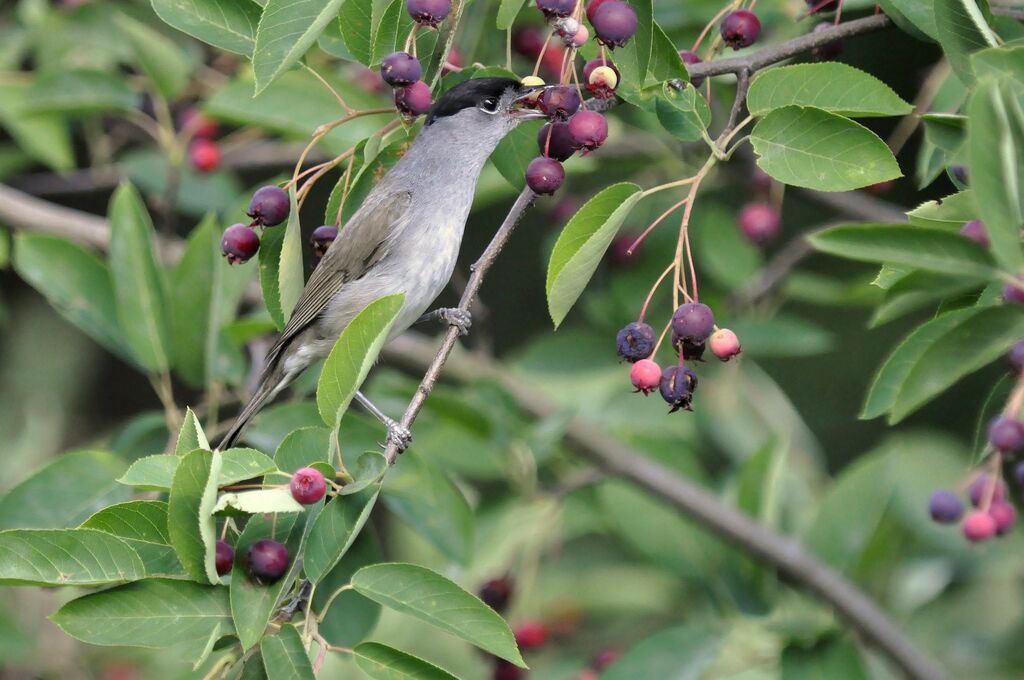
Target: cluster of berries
(269,207)
(203,152)
(402,70)
(994,513)
(266,558)
(693,329)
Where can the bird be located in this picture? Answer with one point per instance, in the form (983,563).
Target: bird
(404,238)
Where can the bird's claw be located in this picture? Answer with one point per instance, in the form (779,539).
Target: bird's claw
(400,436)
(459,318)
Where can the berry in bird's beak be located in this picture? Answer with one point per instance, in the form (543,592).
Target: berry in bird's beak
(524,107)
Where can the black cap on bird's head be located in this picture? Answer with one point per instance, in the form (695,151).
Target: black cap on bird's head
(487,94)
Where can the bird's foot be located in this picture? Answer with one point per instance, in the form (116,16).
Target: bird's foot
(459,318)
(400,436)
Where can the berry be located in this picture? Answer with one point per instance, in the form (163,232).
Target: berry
(759,222)
(496,593)
(269,206)
(979,526)
(1016,356)
(268,559)
(580,37)
(566,28)
(635,341)
(975,230)
(532,81)
(454,59)
(592,8)
(605,658)
(201,126)
(556,8)
(225,558)
(724,344)
(428,12)
(552,60)
(829,50)
(618,253)
(645,376)
(204,154)
(979,488)
(688,348)
(528,41)
(308,485)
(1013,293)
(614,22)
(588,129)
(594,64)
(239,243)
(960,173)
(1005,516)
(544,175)
(740,29)
(693,322)
(560,145)
(399,69)
(560,102)
(760,180)
(321,239)
(690,58)
(413,100)
(531,635)
(676,385)
(601,80)
(1006,434)
(1018,474)
(503,670)
(565,208)
(945,507)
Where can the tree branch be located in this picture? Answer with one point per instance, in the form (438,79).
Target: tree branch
(705,508)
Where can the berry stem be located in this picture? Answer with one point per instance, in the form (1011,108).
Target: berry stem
(650,295)
(1013,404)
(661,339)
(668,185)
(641,237)
(995,465)
(334,93)
(543,49)
(410,41)
(330,601)
(693,270)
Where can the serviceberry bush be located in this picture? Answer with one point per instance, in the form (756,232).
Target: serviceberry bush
(788,215)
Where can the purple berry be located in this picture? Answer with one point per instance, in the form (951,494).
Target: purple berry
(689,58)
(592,7)
(239,243)
(760,222)
(829,50)
(496,593)
(975,230)
(945,507)
(960,172)
(268,559)
(544,175)
(979,526)
(676,386)
(413,100)
(399,69)
(635,341)
(269,206)
(740,29)
(528,41)
(1018,474)
(308,485)
(1005,516)
(556,8)
(1016,356)
(1006,434)
(979,488)
(1013,293)
(614,22)
(688,348)
(588,129)
(693,322)
(560,146)
(560,101)
(225,558)
(429,12)
(321,239)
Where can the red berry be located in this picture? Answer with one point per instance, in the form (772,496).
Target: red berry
(645,376)
(556,8)
(978,490)
(553,58)
(1013,293)
(693,321)
(740,29)
(689,58)
(308,485)
(560,101)
(614,22)
(531,634)
(503,670)
(225,558)
(760,222)
(588,129)
(1005,516)
(454,59)
(204,154)
(975,230)
(528,41)
(544,175)
(268,559)
(200,125)
(429,12)
(399,69)
(239,243)
(496,593)
(555,141)
(979,526)
(269,206)
(724,344)
(413,100)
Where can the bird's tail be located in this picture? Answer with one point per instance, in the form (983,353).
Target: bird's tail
(270,385)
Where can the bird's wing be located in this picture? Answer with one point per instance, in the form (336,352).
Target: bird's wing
(364,241)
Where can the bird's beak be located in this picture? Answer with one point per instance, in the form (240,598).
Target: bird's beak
(524,107)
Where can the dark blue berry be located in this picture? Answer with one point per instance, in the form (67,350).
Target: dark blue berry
(945,507)
(635,341)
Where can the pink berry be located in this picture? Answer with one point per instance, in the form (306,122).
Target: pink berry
(200,125)
(531,634)
(308,485)
(975,230)
(413,100)
(544,175)
(239,243)
(1005,516)
(760,222)
(588,129)
(1013,293)
(979,526)
(204,154)
(740,29)
(645,376)
(724,344)
(580,37)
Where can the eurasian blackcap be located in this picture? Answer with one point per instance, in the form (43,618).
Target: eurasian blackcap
(404,238)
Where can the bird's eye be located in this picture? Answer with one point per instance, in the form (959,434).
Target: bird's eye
(489,105)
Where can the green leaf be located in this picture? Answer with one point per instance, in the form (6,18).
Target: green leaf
(191,435)
(508,10)
(998,62)
(381,662)
(515,152)
(356,23)
(430,597)
(138,287)
(156,613)
(80,92)
(271,243)
(829,86)
(816,149)
(284,657)
(385,31)
(945,131)
(290,272)
(425,499)
(64,492)
(674,654)
(995,139)
(252,602)
(961,28)
(353,354)
(351,617)
(143,526)
(918,289)
(159,58)
(665,64)
(75,282)
(934,250)
(334,530)
(226,24)
(683,112)
(66,557)
(919,14)
(948,212)
(157,472)
(198,194)
(582,244)
(287,29)
(370,467)
(46,138)
(153,473)
(259,500)
(189,513)
(633,59)
(303,447)
(833,659)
